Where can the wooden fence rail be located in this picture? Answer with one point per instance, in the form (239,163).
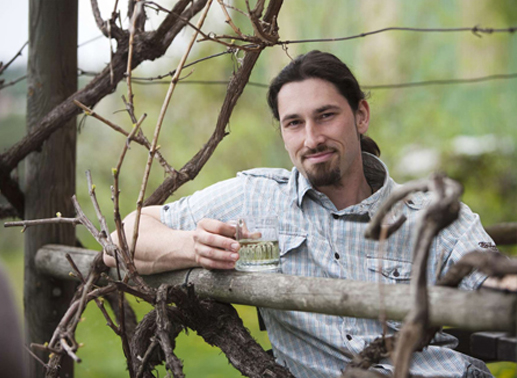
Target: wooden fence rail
(482,310)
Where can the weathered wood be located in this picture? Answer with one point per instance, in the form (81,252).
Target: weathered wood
(480,310)
(50,172)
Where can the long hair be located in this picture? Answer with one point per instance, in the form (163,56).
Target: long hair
(325,66)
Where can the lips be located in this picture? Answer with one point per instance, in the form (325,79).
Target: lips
(319,155)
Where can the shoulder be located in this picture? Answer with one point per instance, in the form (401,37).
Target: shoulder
(278,175)
(420,200)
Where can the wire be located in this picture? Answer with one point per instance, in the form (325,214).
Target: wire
(443,82)
(476,30)
(369,87)
(90,40)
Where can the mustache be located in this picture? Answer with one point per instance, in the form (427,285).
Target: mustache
(317,150)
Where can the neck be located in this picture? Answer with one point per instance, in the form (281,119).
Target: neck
(345,195)
(351,189)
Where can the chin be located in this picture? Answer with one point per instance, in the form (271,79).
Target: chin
(323,176)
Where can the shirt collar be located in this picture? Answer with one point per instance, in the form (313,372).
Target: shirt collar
(376,174)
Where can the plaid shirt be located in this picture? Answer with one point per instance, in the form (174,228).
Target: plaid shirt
(317,240)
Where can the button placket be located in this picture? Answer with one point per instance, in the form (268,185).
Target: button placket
(333,226)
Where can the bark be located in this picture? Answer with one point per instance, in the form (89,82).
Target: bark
(217,323)
(50,172)
(476,311)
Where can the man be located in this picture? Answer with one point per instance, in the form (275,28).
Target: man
(323,206)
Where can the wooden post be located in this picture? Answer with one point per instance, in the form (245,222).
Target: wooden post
(50,172)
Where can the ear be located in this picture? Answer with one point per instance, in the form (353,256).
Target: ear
(362,117)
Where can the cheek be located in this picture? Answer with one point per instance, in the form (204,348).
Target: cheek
(290,143)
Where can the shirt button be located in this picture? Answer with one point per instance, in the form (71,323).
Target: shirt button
(396,273)
(166,207)
(335,216)
(336,255)
(349,337)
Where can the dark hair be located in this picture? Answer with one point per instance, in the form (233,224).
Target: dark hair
(325,66)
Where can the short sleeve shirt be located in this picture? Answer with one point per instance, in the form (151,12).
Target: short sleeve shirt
(318,240)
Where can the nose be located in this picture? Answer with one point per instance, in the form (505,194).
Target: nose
(313,135)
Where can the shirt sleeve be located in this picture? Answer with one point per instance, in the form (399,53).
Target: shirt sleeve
(222,201)
(465,235)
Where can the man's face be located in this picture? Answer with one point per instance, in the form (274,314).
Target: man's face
(321,132)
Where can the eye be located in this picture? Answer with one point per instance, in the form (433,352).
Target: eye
(327,115)
(292,123)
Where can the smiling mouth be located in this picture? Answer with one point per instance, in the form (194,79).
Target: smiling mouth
(319,156)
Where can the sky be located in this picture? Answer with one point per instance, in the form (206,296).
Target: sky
(13,30)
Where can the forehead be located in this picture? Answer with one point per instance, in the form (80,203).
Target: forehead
(307,96)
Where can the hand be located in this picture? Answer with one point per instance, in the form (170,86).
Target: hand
(214,244)
(507,283)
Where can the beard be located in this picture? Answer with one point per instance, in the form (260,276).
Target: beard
(327,173)
(324,174)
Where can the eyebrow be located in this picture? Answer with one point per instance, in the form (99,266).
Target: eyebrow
(319,110)
(325,108)
(289,117)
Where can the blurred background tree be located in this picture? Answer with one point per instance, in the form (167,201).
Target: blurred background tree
(466,130)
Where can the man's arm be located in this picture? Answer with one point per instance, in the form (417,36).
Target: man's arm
(506,283)
(160,248)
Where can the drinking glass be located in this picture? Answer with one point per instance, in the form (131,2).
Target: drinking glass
(258,237)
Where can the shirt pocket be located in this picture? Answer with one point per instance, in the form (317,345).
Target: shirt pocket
(388,271)
(293,253)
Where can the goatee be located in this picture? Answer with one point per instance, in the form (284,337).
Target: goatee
(324,175)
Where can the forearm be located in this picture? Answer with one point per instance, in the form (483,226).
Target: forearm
(508,282)
(158,248)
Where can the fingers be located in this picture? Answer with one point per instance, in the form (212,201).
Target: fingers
(215,226)
(244,233)
(214,245)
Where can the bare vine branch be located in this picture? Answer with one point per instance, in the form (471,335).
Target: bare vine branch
(3,67)
(493,264)
(12,82)
(158,127)
(136,14)
(140,138)
(99,87)
(235,88)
